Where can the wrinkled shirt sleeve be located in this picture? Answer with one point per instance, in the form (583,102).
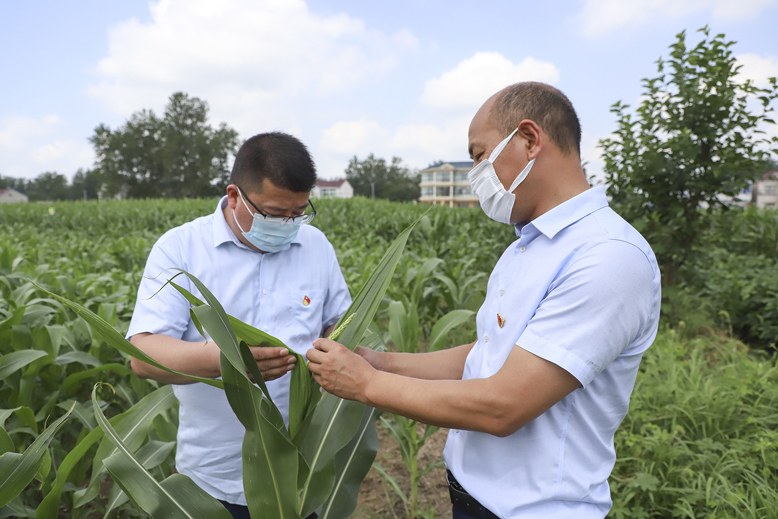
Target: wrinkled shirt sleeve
(161,310)
(595,311)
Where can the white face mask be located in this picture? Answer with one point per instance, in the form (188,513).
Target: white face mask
(496,202)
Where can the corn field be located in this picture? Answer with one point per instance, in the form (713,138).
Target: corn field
(700,440)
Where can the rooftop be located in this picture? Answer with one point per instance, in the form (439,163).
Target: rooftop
(330,183)
(464,164)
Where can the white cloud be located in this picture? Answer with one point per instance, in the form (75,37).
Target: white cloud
(436,129)
(251,60)
(603,16)
(473,80)
(28,147)
(757,68)
(354,137)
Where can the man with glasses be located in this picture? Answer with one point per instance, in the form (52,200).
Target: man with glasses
(268,269)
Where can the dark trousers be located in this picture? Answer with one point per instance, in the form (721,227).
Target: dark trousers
(457,513)
(242,512)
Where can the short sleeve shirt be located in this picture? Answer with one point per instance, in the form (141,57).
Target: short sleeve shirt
(293,295)
(579,288)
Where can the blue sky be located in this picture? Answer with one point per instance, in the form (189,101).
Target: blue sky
(399,78)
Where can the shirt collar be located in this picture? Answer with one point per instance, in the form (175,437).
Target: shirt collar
(222,233)
(567,213)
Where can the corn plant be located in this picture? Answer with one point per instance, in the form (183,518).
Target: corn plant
(404,330)
(314,464)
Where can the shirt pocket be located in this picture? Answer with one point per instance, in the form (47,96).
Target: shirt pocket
(307,312)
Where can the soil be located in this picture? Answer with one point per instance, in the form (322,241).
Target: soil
(377,500)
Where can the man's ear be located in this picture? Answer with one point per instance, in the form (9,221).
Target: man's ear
(533,137)
(232,196)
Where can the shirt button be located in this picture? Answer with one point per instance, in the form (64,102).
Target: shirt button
(502,292)
(264,291)
(267,328)
(523,248)
(486,338)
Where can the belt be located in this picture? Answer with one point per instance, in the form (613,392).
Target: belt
(464,501)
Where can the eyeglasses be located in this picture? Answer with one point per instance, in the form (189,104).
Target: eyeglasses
(301,219)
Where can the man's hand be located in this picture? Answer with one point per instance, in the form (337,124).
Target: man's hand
(200,358)
(338,370)
(272,362)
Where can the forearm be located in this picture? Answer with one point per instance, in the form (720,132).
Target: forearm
(193,358)
(439,365)
(472,405)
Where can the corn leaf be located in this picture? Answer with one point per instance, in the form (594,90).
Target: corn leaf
(302,387)
(132,430)
(175,497)
(334,421)
(150,455)
(352,464)
(13,361)
(444,325)
(108,334)
(270,460)
(18,470)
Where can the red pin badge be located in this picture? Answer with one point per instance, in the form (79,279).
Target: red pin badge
(306,301)
(500,320)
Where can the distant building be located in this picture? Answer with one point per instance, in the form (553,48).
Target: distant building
(764,192)
(12,196)
(446,183)
(332,189)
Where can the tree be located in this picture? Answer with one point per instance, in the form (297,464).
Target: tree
(48,186)
(86,184)
(179,155)
(695,136)
(17,184)
(391,181)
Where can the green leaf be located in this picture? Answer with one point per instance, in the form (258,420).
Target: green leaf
(302,386)
(17,470)
(150,455)
(132,430)
(335,421)
(444,325)
(175,497)
(108,334)
(270,460)
(352,464)
(6,443)
(368,300)
(392,481)
(13,361)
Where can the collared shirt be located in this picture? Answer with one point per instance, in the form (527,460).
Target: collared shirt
(293,295)
(579,288)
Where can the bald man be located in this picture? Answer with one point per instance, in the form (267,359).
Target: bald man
(571,306)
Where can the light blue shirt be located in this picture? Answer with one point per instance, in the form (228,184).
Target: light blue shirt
(579,288)
(293,295)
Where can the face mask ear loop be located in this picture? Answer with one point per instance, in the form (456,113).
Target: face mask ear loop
(521,176)
(496,152)
(235,216)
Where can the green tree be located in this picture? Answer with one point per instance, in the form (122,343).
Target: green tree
(391,181)
(86,184)
(17,184)
(179,155)
(694,137)
(48,186)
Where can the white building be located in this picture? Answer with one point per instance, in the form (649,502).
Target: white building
(332,189)
(12,196)
(764,192)
(446,183)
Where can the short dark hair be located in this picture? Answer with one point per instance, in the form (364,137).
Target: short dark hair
(546,106)
(275,156)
